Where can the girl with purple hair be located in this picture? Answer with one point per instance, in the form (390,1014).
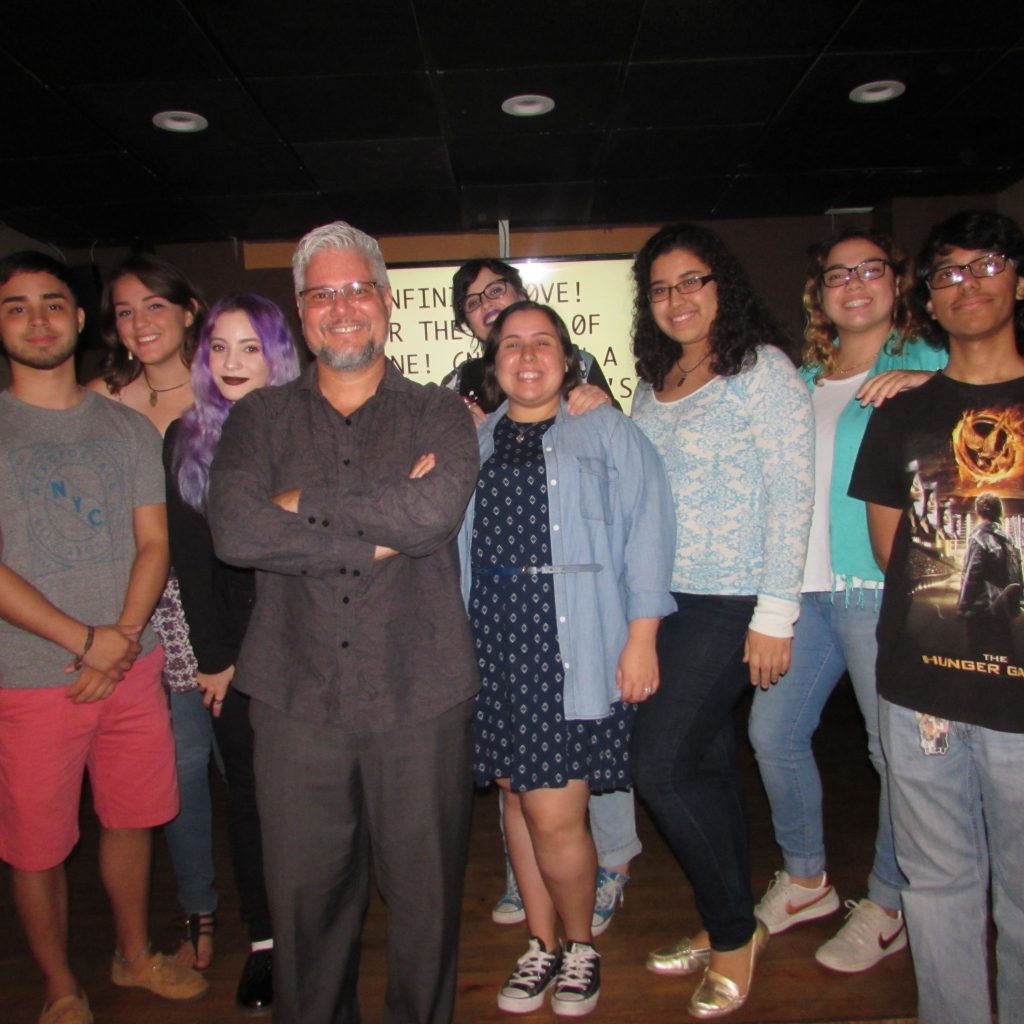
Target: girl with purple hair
(244,344)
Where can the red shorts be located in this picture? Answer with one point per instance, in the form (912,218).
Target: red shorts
(46,742)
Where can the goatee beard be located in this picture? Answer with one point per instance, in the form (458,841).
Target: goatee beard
(350,360)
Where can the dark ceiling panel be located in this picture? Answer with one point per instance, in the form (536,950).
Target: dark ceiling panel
(377,163)
(911,143)
(529,32)
(255,217)
(933,79)
(707,92)
(49,225)
(305,37)
(786,194)
(992,95)
(878,25)
(378,211)
(880,186)
(68,42)
(322,108)
(583,95)
(144,221)
(675,152)
(494,159)
(700,29)
(388,112)
(32,113)
(111,177)
(551,204)
(239,152)
(688,197)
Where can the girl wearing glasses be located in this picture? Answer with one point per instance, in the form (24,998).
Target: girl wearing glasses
(732,420)
(860,349)
(481,289)
(245,344)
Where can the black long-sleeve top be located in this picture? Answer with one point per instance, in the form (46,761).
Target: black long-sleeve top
(218,598)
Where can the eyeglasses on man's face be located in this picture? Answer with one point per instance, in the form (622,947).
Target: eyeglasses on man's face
(495,290)
(321,296)
(955,273)
(867,270)
(688,285)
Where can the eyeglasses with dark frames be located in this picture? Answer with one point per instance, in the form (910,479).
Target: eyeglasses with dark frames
(955,273)
(867,270)
(688,285)
(495,290)
(321,296)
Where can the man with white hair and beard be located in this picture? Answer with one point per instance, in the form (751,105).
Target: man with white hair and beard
(345,489)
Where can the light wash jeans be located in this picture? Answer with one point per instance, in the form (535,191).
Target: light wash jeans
(612,824)
(833,635)
(190,834)
(957,816)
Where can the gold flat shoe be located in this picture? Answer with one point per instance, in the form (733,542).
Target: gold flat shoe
(718,995)
(681,958)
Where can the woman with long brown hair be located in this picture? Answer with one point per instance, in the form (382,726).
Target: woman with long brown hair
(150,317)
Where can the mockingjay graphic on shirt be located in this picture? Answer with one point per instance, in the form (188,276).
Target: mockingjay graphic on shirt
(951,637)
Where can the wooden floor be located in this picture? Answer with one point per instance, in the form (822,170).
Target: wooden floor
(790,986)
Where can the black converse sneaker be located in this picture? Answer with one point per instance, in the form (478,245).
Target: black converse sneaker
(579,981)
(535,973)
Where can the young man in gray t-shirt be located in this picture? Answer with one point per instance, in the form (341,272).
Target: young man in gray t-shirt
(83,559)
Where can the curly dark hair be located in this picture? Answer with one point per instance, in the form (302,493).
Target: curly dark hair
(742,323)
(167,281)
(820,333)
(969,229)
(492,393)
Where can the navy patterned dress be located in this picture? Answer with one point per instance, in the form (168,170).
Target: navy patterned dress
(521,734)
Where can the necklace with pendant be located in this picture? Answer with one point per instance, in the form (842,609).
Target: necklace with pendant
(155,392)
(683,374)
(853,369)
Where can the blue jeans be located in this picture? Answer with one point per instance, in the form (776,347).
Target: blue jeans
(957,816)
(684,758)
(190,834)
(613,825)
(833,635)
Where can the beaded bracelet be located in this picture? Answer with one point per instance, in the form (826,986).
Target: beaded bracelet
(90,635)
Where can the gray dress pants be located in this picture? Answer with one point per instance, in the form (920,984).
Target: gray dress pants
(329,800)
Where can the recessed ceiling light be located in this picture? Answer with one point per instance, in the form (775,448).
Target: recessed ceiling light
(528,105)
(878,92)
(842,211)
(180,121)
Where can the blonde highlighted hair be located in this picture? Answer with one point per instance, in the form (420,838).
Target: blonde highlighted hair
(820,351)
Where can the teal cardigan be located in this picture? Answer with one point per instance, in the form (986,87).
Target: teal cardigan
(849,543)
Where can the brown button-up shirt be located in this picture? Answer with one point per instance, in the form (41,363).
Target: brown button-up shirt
(336,637)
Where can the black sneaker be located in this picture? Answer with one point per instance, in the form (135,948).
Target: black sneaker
(535,973)
(579,981)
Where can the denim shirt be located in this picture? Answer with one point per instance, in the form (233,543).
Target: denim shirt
(609,504)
